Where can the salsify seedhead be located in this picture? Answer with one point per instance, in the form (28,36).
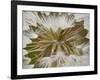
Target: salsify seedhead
(52,46)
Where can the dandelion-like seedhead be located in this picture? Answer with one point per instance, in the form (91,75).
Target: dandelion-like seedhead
(58,37)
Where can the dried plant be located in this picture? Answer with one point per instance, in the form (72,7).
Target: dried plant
(50,42)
